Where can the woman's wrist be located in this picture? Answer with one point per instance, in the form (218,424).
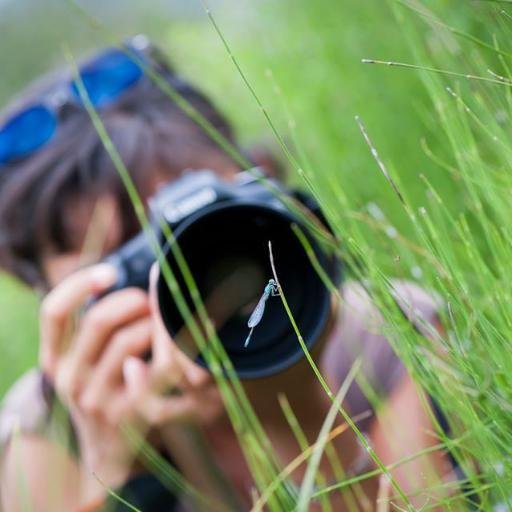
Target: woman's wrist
(100,474)
(106,459)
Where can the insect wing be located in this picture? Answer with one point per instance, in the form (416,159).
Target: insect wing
(257,314)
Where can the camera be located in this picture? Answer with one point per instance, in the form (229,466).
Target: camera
(222,230)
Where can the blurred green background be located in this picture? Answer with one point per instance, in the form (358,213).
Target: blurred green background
(304,61)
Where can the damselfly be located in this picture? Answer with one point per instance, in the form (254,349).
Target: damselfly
(271,289)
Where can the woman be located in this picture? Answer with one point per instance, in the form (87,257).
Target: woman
(62,208)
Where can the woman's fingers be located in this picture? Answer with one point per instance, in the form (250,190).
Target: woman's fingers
(126,402)
(105,318)
(98,325)
(158,410)
(167,351)
(152,404)
(133,340)
(203,406)
(173,370)
(194,376)
(60,305)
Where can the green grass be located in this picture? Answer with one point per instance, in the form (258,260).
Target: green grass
(18,331)
(303,60)
(443,141)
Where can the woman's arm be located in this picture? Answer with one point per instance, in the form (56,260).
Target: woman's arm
(38,474)
(404,430)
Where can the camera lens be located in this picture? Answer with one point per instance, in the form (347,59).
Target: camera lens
(226,249)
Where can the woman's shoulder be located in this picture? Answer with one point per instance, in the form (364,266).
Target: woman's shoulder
(410,296)
(360,333)
(361,316)
(24,408)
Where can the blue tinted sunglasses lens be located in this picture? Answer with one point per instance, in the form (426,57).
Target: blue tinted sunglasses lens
(107,77)
(26,132)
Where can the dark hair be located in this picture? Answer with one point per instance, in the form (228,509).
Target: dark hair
(151,133)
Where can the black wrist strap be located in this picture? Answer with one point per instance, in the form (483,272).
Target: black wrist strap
(144,492)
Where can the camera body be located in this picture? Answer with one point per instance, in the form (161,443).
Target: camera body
(223,229)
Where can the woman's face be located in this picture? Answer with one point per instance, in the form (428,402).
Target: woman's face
(97,227)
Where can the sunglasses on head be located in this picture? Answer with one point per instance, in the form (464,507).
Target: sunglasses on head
(105,78)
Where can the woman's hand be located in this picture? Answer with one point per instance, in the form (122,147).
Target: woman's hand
(84,357)
(96,366)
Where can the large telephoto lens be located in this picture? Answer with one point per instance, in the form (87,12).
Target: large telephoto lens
(226,249)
